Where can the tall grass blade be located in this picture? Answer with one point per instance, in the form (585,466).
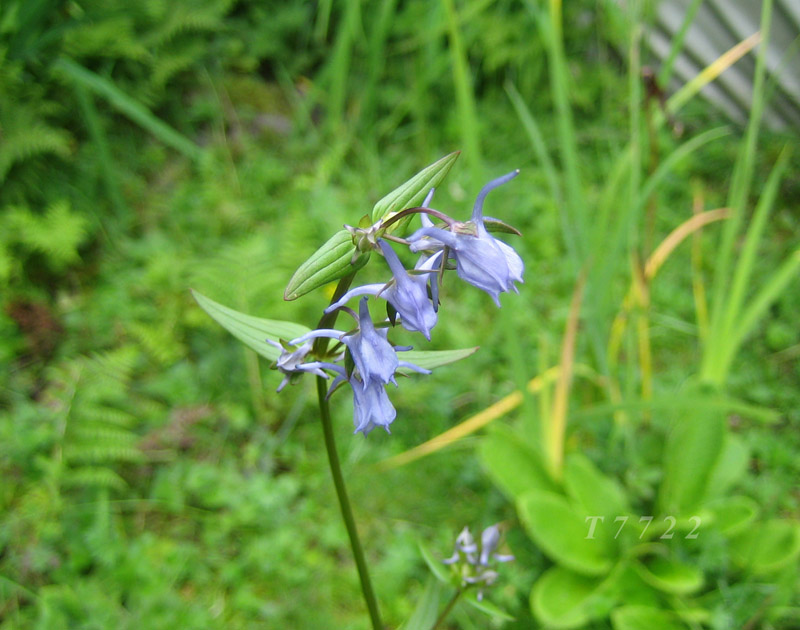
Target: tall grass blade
(551,30)
(665,74)
(338,69)
(673,159)
(465,99)
(105,163)
(556,429)
(129,107)
(737,198)
(698,285)
(747,258)
(709,73)
(540,149)
(635,125)
(651,268)
(756,309)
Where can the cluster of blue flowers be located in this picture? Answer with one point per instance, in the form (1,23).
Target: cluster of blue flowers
(475,562)
(367,361)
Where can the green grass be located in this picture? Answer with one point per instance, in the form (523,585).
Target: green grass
(151,476)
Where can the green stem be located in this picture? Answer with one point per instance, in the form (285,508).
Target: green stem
(448,608)
(320,346)
(344,504)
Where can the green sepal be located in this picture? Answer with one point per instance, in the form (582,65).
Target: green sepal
(251,331)
(391,313)
(335,259)
(349,364)
(413,191)
(496,225)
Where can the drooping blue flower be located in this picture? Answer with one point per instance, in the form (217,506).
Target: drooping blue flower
(290,363)
(481,260)
(371,407)
(374,357)
(406,292)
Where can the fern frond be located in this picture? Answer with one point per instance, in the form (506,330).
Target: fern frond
(86,452)
(57,234)
(93,477)
(24,142)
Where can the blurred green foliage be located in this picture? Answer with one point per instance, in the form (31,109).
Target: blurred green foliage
(151,479)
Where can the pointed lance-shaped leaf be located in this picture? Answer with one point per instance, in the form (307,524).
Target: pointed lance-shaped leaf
(412,193)
(250,330)
(334,260)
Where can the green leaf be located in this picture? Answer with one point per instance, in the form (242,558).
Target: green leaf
(486,607)
(592,491)
(670,576)
(332,261)
(561,533)
(767,546)
(693,446)
(413,192)
(440,571)
(733,515)
(629,587)
(512,465)
(252,331)
(430,359)
(639,617)
(730,467)
(562,598)
(424,615)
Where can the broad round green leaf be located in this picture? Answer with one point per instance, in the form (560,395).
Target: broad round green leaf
(692,449)
(562,598)
(767,546)
(734,514)
(252,331)
(514,466)
(592,491)
(730,467)
(561,532)
(644,618)
(670,576)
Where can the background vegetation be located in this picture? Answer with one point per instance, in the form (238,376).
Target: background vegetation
(151,478)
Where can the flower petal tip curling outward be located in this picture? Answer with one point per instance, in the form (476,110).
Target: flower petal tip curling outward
(371,407)
(481,260)
(477,210)
(291,362)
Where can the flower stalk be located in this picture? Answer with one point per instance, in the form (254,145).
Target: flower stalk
(344,505)
(320,346)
